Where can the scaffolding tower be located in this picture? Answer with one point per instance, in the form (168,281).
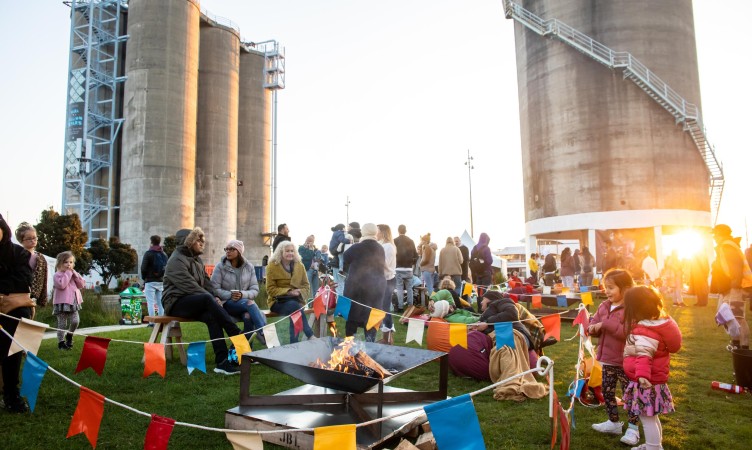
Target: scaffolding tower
(94,114)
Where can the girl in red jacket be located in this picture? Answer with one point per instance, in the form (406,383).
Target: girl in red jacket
(608,324)
(652,337)
(67,298)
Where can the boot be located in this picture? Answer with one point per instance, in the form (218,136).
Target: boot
(61,346)
(69,340)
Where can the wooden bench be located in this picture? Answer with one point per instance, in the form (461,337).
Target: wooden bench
(169,329)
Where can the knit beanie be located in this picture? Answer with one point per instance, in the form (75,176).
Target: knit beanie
(440,309)
(238,245)
(368,231)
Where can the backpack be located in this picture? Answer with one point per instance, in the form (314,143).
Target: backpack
(476,264)
(159,263)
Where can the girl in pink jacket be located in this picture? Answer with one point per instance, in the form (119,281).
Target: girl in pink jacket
(652,337)
(608,324)
(67,298)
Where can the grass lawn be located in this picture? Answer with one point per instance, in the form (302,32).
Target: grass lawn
(704,419)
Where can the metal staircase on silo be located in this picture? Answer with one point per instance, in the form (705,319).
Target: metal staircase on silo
(683,111)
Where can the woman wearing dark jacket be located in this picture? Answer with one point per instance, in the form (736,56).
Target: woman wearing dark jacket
(567,268)
(188,293)
(364,264)
(549,269)
(15,278)
(496,308)
(481,260)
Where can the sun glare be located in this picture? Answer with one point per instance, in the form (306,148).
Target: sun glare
(687,243)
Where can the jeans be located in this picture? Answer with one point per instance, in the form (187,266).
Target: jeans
(351,328)
(457,283)
(153,293)
(287,308)
(204,308)
(253,319)
(386,304)
(11,364)
(339,279)
(568,281)
(427,278)
(313,280)
(404,283)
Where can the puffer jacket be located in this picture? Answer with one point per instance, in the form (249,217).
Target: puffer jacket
(184,275)
(647,353)
(226,278)
(612,335)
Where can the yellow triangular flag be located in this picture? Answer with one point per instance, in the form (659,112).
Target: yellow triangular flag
(29,334)
(587,298)
(564,290)
(244,441)
(458,334)
(270,334)
(415,329)
(341,437)
(375,318)
(467,289)
(596,375)
(241,345)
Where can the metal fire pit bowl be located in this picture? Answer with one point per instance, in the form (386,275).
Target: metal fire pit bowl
(295,359)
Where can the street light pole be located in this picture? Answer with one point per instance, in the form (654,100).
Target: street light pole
(347,209)
(469,164)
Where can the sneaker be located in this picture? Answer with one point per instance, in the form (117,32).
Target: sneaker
(15,405)
(631,436)
(227,368)
(608,427)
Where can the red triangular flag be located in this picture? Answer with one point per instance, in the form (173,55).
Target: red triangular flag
(158,434)
(537,302)
(318,305)
(297,322)
(552,324)
(554,429)
(582,318)
(94,354)
(564,445)
(88,415)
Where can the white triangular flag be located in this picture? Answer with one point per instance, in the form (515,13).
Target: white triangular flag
(29,334)
(415,329)
(547,290)
(245,441)
(270,334)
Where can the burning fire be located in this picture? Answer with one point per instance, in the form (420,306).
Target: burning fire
(348,358)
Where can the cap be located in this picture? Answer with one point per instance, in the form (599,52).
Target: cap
(722,230)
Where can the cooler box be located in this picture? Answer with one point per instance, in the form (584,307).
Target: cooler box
(130,306)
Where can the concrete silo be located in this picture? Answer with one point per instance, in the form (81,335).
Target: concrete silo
(254,156)
(157,185)
(600,152)
(217,137)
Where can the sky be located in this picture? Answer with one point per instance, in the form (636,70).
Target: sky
(383,100)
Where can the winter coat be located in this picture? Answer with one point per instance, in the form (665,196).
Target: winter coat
(364,264)
(648,348)
(482,251)
(338,237)
(450,261)
(428,259)
(567,266)
(307,255)
(549,264)
(407,255)
(226,278)
(279,281)
(280,238)
(612,335)
(184,275)
(148,264)
(67,285)
(465,261)
(15,273)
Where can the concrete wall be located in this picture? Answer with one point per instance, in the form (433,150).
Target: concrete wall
(592,141)
(157,185)
(217,138)
(254,157)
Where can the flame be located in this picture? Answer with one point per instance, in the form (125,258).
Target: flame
(340,354)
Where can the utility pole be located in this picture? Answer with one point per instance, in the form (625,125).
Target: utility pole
(469,164)
(347,210)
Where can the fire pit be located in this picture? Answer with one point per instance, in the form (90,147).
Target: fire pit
(334,397)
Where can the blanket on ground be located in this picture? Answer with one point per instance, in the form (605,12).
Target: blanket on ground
(506,362)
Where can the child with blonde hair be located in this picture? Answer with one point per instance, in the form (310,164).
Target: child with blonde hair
(67,299)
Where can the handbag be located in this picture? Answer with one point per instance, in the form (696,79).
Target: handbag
(9,302)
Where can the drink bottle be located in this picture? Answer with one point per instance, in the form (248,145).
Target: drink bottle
(734,389)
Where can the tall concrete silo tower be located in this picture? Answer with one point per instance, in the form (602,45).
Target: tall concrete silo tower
(158,180)
(254,156)
(610,120)
(217,144)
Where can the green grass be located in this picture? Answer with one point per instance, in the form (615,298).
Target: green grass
(704,419)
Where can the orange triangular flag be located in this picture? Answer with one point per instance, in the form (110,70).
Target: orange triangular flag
(88,415)
(467,289)
(458,334)
(154,359)
(244,441)
(552,324)
(318,305)
(341,437)
(241,345)
(537,301)
(375,318)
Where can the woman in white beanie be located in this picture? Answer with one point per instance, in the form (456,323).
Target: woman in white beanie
(234,281)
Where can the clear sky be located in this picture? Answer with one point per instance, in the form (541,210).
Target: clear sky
(383,101)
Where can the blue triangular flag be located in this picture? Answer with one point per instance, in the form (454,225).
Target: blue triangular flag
(561,301)
(343,306)
(445,416)
(196,356)
(504,335)
(33,372)
(584,288)
(580,384)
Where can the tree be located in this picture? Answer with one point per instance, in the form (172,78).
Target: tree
(59,233)
(112,259)
(169,244)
